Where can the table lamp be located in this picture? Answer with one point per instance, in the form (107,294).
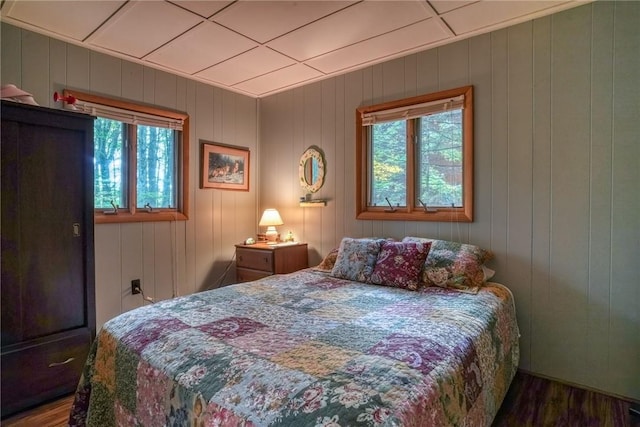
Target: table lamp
(271,218)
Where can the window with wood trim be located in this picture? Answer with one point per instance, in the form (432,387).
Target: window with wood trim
(414,158)
(141,156)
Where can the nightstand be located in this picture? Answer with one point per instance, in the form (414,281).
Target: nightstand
(260,260)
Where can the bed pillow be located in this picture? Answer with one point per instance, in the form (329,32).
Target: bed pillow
(454,265)
(356,259)
(488,273)
(399,264)
(328,262)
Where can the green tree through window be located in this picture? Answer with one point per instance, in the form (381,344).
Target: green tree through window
(156,167)
(389,164)
(440,159)
(108,137)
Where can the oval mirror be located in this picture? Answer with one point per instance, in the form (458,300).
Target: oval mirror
(311,169)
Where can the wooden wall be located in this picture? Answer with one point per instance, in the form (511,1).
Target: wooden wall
(169,257)
(557,161)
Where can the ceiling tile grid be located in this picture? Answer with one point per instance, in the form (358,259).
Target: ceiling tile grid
(413,36)
(55,16)
(248,65)
(140,27)
(261,47)
(265,20)
(201,47)
(355,24)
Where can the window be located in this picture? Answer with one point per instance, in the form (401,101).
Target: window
(140,160)
(414,158)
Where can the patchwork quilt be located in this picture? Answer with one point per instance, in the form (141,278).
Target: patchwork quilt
(304,349)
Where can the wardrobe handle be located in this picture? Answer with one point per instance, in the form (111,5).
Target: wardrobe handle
(54,364)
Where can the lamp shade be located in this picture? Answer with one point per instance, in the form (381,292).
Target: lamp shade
(270,217)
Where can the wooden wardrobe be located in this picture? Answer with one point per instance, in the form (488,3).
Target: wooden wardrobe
(48,293)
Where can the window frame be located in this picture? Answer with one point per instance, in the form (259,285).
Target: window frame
(412,212)
(132,213)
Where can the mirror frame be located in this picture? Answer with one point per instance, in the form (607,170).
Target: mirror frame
(312,153)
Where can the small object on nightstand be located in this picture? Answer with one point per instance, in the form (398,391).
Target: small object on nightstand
(289,237)
(250,241)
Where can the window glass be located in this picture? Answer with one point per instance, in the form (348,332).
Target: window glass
(156,167)
(440,160)
(109,163)
(389,165)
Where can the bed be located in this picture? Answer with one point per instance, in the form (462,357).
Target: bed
(305,349)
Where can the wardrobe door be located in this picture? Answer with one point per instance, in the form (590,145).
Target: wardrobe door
(51,246)
(11,320)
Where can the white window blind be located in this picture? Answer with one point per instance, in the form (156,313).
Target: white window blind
(412,111)
(128,116)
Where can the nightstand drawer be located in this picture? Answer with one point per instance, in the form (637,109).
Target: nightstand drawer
(247,275)
(255,259)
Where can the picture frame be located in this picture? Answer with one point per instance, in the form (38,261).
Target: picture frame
(225,167)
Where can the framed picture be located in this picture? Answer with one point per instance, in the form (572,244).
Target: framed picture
(224,166)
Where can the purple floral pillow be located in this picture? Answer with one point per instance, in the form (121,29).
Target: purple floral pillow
(454,265)
(356,259)
(399,264)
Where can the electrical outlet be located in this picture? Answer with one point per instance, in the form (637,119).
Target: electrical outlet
(135,286)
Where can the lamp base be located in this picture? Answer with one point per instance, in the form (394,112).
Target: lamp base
(271,235)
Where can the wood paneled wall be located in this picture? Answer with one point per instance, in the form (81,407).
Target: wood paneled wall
(557,161)
(169,257)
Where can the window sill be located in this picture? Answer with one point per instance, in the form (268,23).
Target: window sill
(444,215)
(100,218)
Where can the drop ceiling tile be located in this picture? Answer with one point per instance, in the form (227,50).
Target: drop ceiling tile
(253,63)
(353,24)
(397,42)
(265,20)
(203,8)
(442,6)
(142,26)
(201,47)
(54,16)
(487,13)
(279,79)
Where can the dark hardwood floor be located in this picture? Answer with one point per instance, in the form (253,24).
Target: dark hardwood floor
(533,401)
(530,402)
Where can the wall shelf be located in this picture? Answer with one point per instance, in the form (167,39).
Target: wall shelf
(313,204)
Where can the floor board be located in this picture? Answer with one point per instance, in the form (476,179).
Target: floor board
(53,414)
(533,401)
